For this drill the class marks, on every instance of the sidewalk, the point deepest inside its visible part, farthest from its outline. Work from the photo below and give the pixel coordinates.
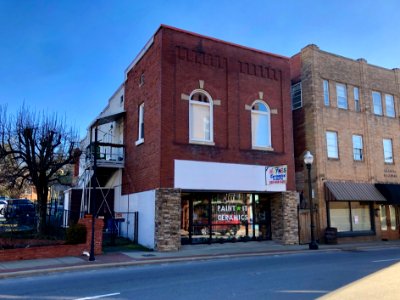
(187, 253)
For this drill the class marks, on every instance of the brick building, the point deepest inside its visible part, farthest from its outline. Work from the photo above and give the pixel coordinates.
(346, 112)
(206, 130)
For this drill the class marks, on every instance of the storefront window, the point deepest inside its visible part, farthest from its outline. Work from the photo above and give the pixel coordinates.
(340, 216)
(185, 221)
(383, 218)
(231, 216)
(225, 217)
(350, 216)
(361, 217)
(200, 219)
(393, 223)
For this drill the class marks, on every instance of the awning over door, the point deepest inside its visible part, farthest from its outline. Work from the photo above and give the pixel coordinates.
(351, 191)
(390, 191)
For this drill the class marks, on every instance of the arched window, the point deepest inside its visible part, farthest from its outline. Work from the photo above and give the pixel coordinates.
(260, 125)
(200, 117)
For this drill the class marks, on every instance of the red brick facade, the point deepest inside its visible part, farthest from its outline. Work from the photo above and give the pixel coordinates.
(179, 62)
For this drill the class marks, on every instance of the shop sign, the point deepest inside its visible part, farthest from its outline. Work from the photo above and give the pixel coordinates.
(276, 175)
(232, 213)
(389, 173)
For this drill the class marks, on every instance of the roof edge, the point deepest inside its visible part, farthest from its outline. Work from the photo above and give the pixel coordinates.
(221, 41)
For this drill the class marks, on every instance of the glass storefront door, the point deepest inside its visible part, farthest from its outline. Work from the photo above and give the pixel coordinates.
(389, 215)
(222, 217)
(263, 216)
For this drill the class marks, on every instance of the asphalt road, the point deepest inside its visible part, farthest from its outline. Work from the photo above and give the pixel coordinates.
(296, 276)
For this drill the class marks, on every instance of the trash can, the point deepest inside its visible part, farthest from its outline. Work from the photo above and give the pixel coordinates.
(331, 235)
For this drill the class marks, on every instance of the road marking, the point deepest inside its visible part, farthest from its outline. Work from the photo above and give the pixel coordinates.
(303, 291)
(385, 260)
(99, 296)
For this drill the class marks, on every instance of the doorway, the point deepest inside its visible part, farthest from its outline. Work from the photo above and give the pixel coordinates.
(389, 215)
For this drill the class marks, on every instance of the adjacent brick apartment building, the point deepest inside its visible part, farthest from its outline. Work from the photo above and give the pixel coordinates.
(346, 112)
(208, 143)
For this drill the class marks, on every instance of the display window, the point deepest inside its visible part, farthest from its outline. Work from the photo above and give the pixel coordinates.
(351, 217)
(223, 217)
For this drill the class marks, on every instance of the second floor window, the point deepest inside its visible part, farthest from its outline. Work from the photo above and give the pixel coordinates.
(140, 124)
(356, 92)
(296, 96)
(387, 151)
(341, 94)
(200, 117)
(260, 125)
(390, 112)
(326, 92)
(332, 144)
(357, 147)
(377, 103)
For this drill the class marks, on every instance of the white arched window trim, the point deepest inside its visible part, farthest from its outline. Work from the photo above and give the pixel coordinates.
(258, 115)
(192, 105)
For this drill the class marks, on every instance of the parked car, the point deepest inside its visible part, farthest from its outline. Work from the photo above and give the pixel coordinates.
(20, 210)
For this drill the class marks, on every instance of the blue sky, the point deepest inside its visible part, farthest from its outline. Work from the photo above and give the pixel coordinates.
(69, 57)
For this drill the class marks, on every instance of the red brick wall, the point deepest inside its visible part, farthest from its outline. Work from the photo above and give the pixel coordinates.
(59, 250)
(295, 68)
(142, 162)
(233, 74)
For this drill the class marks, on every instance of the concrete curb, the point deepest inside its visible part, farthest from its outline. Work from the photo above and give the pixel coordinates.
(151, 261)
(86, 265)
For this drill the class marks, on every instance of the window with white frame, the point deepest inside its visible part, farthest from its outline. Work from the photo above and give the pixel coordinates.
(296, 96)
(326, 92)
(200, 117)
(140, 124)
(332, 144)
(356, 93)
(260, 125)
(387, 151)
(389, 101)
(341, 95)
(357, 147)
(377, 103)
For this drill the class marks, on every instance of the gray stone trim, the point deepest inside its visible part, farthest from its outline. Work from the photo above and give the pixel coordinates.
(167, 220)
(284, 217)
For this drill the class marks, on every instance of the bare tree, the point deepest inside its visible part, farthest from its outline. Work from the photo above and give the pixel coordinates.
(34, 148)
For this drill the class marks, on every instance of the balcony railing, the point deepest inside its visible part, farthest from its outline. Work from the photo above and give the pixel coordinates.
(108, 155)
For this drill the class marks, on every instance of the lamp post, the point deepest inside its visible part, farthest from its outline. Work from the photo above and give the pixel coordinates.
(308, 160)
(93, 195)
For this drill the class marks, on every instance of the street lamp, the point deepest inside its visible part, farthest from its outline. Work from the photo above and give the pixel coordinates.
(93, 197)
(308, 160)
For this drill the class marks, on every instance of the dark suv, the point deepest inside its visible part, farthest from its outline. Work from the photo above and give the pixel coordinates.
(20, 210)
